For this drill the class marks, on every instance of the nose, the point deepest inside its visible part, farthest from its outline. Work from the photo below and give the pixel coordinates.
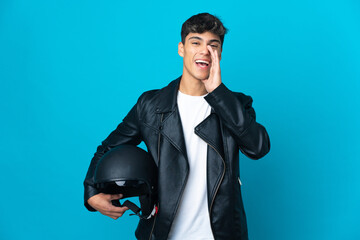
(204, 50)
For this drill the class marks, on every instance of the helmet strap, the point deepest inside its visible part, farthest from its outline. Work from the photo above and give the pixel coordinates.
(133, 207)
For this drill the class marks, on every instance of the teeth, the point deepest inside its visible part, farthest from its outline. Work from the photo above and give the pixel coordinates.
(202, 61)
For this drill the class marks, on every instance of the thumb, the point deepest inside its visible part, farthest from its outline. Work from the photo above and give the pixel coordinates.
(116, 196)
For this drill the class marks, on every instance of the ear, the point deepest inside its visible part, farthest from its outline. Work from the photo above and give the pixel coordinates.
(181, 49)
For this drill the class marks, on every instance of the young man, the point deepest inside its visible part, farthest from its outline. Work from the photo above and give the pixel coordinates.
(193, 128)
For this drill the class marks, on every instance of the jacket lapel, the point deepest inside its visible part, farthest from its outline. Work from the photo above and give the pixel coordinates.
(210, 131)
(173, 131)
(171, 126)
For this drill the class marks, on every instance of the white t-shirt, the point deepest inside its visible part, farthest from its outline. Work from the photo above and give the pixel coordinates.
(192, 219)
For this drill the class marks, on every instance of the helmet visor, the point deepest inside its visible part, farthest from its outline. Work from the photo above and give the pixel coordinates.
(129, 188)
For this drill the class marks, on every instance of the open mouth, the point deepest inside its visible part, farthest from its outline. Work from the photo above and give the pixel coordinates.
(202, 63)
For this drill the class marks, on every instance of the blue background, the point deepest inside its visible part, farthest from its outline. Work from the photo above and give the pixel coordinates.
(71, 70)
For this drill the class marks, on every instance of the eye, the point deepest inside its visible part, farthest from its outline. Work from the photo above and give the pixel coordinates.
(195, 43)
(214, 45)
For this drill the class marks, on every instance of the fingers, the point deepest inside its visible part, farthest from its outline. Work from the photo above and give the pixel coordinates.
(214, 79)
(211, 53)
(114, 212)
(114, 209)
(214, 55)
(102, 203)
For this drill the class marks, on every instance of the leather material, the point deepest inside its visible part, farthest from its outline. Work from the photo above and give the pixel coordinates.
(229, 128)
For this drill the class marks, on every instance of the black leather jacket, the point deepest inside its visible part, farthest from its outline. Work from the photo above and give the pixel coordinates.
(231, 126)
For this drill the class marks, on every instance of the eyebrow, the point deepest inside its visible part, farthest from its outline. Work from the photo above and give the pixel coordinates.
(211, 41)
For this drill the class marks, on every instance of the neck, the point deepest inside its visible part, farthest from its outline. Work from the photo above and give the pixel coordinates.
(193, 87)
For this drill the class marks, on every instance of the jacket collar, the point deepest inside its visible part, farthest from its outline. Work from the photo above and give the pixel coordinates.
(167, 98)
(208, 129)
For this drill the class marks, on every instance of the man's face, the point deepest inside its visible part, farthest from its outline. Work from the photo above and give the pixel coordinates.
(196, 55)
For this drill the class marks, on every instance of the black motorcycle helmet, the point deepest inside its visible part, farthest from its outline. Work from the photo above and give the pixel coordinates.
(131, 171)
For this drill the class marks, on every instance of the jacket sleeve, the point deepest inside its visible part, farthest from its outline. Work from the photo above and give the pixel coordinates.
(127, 132)
(236, 112)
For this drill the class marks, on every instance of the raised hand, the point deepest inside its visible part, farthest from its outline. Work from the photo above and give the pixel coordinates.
(214, 79)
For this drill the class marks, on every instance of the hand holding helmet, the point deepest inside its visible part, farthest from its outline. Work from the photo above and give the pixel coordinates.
(125, 171)
(103, 203)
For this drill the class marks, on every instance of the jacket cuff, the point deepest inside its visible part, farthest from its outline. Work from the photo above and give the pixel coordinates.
(89, 192)
(217, 92)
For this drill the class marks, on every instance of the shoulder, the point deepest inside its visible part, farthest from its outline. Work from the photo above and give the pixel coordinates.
(245, 98)
(222, 92)
(158, 98)
(242, 96)
(147, 100)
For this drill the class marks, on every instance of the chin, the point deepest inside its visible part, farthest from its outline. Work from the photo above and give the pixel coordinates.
(202, 77)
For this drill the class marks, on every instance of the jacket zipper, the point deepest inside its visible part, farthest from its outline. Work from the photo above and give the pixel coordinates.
(222, 177)
(152, 229)
(161, 119)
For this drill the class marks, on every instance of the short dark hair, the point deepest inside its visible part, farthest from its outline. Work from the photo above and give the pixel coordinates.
(203, 22)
